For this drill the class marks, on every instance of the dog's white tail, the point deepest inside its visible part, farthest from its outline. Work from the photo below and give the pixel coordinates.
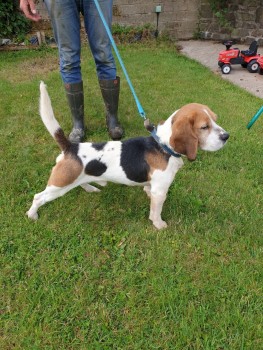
(49, 120)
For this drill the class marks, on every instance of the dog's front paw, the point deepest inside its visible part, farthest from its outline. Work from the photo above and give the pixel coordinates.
(160, 224)
(32, 216)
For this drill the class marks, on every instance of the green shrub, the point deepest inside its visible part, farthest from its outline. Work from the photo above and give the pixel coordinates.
(12, 22)
(132, 34)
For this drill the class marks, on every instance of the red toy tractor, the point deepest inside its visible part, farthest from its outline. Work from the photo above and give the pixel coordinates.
(260, 68)
(247, 58)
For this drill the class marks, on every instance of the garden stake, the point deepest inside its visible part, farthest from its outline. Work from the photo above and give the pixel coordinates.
(256, 116)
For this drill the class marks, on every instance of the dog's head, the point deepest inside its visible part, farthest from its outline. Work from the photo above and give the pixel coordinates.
(193, 126)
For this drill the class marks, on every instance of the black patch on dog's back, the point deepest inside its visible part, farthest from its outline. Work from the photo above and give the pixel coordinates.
(95, 168)
(133, 160)
(99, 146)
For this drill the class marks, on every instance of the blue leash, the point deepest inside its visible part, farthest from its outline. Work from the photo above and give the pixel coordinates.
(139, 106)
(150, 127)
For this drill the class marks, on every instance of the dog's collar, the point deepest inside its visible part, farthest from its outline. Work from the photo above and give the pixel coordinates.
(164, 147)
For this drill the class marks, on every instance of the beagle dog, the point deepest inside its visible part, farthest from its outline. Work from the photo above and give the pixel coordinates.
(138, 161)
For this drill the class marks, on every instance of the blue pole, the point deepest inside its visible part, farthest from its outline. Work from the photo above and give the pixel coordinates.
(256, 116)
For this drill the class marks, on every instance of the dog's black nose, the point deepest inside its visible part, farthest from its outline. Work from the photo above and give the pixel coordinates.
(224, 136)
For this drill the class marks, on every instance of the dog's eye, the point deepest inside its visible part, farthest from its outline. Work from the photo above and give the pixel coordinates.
(204, 127)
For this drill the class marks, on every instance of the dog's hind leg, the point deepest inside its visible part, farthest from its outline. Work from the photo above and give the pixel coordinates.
(101, 183)
(65, 176)
(48, 195)
(89, 188)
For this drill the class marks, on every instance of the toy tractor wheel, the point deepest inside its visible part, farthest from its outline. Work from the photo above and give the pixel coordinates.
(260, 71)
(252, 66)
(226, 68)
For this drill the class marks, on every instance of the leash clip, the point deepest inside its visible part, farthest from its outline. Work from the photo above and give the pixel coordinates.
(148, 125)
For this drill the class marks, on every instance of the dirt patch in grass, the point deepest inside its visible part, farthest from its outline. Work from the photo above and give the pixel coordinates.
(30, 69)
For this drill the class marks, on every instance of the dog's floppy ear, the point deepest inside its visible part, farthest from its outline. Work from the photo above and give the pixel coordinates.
(183, 139)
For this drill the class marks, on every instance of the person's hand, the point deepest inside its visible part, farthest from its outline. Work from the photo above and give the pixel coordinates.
(29, 9)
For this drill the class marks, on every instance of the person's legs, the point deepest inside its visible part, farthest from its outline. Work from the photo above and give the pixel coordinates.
(98, 38)
(105, 64)
(64, 15)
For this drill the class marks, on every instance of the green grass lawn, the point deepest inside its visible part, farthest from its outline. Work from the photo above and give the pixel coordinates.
(92, 273)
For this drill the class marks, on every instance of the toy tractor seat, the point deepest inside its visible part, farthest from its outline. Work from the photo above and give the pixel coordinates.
(252, 50)
(228, 44)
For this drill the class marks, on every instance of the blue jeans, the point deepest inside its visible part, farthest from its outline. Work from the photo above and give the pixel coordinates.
(65, 18)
